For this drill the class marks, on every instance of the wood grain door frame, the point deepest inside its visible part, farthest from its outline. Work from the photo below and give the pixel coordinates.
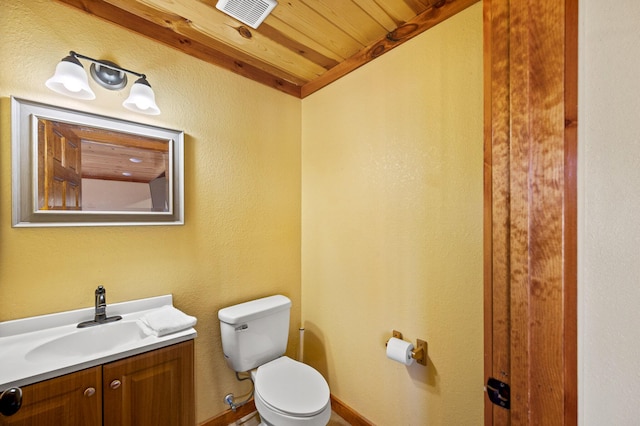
(530, 208)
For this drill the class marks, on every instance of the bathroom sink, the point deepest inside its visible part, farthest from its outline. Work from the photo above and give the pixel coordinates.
(39, 348)
(88, 341)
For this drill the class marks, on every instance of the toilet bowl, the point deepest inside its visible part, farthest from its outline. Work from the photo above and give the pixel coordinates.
(290, 393)
(254, 338)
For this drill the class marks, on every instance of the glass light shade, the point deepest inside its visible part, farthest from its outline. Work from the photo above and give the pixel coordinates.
(70, 79)
(141, 98)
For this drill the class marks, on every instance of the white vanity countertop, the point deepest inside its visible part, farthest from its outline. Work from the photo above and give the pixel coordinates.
(19, 337)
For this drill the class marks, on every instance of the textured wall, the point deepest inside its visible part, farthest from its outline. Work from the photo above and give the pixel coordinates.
(392, 201)
(609, 229)
(392, 228)
(242, 170)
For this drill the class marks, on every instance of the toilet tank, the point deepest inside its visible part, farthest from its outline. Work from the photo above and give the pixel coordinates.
(255, 332)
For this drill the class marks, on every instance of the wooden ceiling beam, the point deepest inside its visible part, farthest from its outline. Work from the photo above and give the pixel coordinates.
(182, 43)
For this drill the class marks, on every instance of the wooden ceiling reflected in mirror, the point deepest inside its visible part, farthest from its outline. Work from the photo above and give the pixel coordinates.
(112, 155)
(122, 163)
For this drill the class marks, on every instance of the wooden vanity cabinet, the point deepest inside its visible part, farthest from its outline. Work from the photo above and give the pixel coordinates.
(153, 388)
(71, 400)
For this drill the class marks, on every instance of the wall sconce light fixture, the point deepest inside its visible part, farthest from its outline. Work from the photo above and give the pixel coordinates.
(70, 79)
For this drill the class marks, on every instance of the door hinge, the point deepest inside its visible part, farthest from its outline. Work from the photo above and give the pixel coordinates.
(498, 392)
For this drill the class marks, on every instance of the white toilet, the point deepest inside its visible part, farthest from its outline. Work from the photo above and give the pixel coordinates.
(254, 338)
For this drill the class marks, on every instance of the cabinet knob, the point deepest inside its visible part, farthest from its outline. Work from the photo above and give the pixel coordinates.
(10, 401)
(89, 391)
(115, 384)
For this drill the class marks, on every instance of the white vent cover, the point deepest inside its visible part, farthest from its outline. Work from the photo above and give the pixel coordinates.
(250, 12)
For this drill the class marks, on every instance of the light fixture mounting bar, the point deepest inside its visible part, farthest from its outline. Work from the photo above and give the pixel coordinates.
(104, 64)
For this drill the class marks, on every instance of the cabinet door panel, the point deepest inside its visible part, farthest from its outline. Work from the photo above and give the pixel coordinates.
(71, 400)
(151, 389)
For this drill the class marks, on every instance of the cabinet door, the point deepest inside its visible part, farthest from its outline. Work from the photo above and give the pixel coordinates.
(151, 389)
(71, 400)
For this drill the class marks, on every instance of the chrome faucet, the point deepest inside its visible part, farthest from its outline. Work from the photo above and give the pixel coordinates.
(101, 310)
(101, 304)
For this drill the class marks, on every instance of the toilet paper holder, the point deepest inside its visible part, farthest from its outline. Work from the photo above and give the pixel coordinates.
(419, 352)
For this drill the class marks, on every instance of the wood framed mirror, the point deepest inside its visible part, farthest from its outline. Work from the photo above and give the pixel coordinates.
(72, 168)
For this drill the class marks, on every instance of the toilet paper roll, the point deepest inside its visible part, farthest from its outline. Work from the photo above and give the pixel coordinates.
(399, 350)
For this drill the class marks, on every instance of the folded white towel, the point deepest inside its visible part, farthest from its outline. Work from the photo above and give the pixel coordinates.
(166, 320)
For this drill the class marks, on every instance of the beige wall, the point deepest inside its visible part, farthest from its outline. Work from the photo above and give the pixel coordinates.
(609, 202)
(392, 208)
(242, 233)
(392, 228)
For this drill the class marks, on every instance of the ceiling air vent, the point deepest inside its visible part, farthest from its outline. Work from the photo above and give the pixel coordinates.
(250, 12)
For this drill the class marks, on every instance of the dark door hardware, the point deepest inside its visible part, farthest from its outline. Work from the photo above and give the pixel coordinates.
(498, 392)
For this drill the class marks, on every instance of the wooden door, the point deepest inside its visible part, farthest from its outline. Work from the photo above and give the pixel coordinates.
(59, 168)
(151, 389)
(530, 50)
(71, 400)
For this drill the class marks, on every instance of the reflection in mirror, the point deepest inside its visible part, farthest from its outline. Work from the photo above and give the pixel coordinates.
(72, 168)
(89, 169)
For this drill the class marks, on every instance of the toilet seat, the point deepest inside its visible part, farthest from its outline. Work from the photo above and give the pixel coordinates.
(291, 388)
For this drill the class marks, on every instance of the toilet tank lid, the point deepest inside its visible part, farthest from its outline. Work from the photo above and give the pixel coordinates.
(253, 309)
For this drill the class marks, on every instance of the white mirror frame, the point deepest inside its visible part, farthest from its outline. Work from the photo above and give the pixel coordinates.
(24, 117)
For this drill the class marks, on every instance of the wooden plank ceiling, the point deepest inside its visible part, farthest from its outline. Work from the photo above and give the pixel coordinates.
(302, 46)
(111, 155)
